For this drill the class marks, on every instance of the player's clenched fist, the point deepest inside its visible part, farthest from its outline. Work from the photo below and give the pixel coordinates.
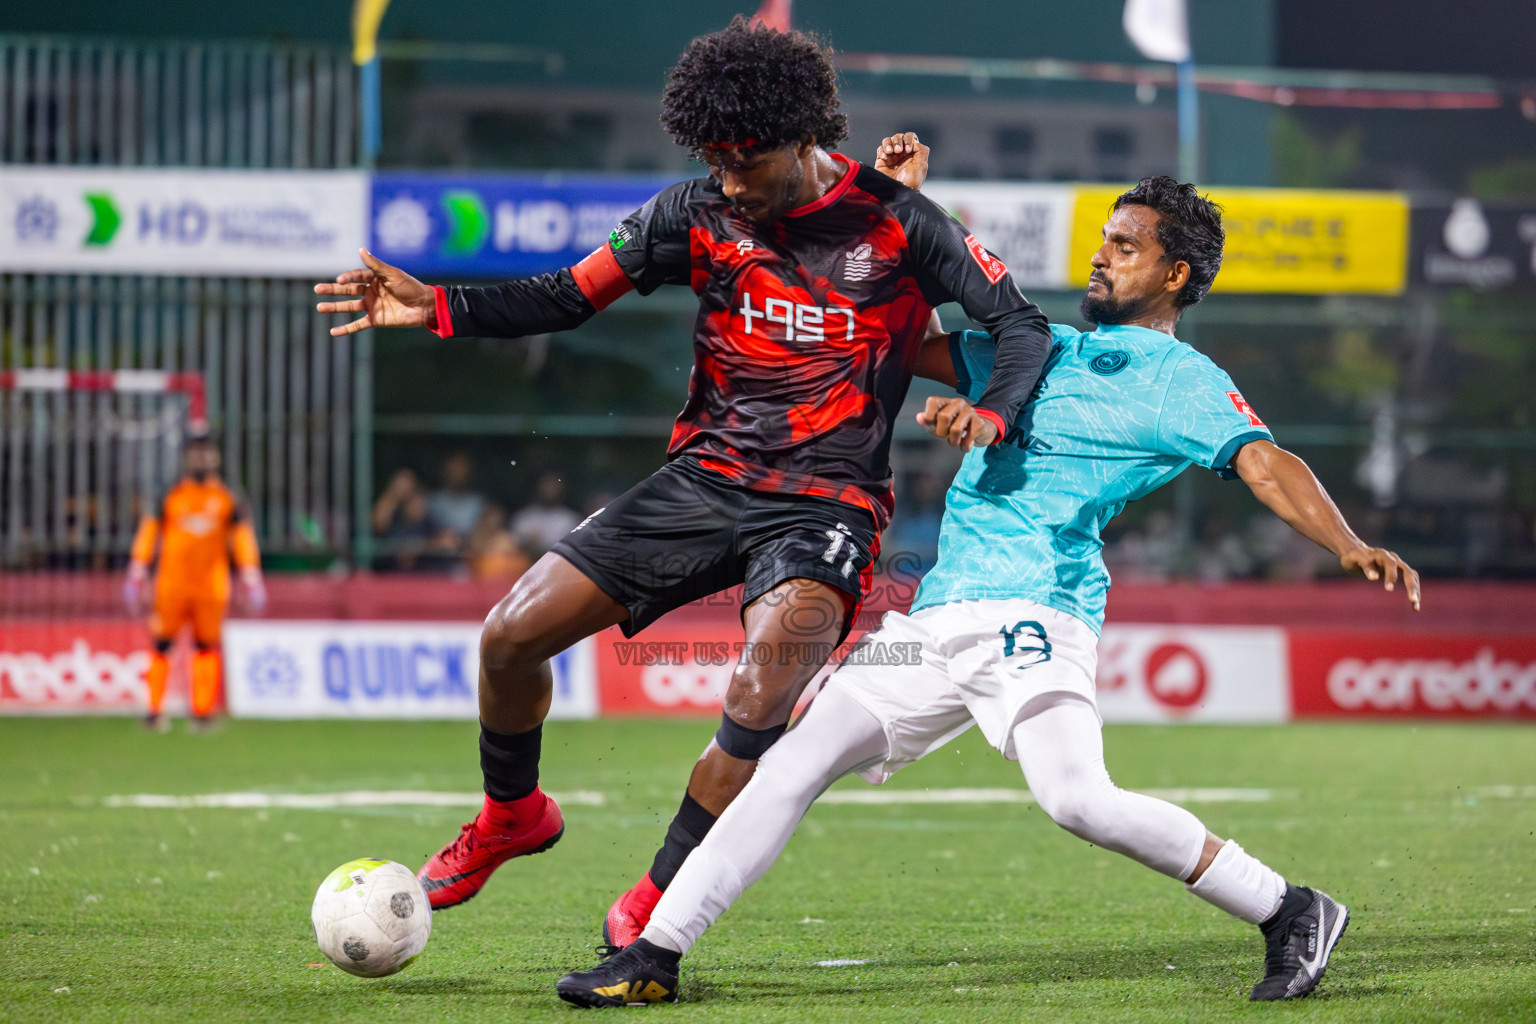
(904, 158)
(386, 296)
(958, 422)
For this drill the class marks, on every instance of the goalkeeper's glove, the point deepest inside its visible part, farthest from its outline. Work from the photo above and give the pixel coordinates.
(133, 586)
(255, 590)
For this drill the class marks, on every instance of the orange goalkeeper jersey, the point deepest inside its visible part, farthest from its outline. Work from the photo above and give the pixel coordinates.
(199, 528)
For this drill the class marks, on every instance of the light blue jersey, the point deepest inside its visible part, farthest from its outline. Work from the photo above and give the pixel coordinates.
(1118, 412)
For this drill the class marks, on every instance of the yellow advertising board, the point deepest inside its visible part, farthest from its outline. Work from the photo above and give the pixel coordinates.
(1283, 240)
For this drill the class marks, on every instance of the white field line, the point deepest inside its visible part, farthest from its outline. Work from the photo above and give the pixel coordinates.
(1023, 796)
(332, 801)
(589, 798)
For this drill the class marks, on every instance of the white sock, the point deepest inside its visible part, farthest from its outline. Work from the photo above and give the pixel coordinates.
(656, 937)
(1240, 884)
(704, 888)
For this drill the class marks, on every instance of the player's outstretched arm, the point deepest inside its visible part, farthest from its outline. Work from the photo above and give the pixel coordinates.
(650, 248)
(1287, 486)
(386, 296)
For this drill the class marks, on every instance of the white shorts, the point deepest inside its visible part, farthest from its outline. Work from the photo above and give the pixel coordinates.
(980, 663)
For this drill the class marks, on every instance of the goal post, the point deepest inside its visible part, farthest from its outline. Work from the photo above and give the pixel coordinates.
(83, 455)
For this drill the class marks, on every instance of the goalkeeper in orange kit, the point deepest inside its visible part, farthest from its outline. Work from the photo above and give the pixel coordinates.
(201, 524)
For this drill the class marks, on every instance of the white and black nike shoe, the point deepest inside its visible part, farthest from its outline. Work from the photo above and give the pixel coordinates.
(1297, 943)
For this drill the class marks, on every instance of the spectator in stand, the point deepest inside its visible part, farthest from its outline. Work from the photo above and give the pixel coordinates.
(455, 508)
(400, 520)
(546, 518)
(493, 553)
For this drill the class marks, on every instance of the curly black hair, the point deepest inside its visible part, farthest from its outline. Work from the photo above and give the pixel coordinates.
(1189, 229)
(745, 85)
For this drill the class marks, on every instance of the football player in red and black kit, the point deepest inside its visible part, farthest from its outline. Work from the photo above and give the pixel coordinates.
(816, 279)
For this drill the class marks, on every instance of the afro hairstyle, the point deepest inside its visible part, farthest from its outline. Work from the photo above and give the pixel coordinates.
(746, 86)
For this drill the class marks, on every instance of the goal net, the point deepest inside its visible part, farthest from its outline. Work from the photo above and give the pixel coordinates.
(83, 456)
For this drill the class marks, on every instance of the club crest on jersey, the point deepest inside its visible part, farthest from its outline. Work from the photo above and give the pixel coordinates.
(856, 264)
(989, 264)
(745, 246)
(1241, 405)
(1106, 364)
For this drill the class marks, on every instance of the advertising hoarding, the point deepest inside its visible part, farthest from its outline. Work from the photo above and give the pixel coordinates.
(207, 223)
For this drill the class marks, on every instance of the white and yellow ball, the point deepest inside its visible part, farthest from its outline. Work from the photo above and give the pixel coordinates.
(371, 917)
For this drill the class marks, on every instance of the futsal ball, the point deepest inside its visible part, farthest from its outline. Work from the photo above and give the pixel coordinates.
(371, 917)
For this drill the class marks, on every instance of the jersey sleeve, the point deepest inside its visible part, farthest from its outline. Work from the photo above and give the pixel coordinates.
(648, 249)
(973, 353)
(1204, 418)
(954, 266)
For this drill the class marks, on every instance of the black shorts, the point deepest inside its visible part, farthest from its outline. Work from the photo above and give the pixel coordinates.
(686, 532)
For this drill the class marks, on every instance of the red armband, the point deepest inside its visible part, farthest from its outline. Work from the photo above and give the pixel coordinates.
(601, 279)
(444, 328)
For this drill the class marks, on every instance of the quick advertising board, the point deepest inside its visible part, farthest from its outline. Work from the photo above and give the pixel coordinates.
(376, 670)
(209, 223)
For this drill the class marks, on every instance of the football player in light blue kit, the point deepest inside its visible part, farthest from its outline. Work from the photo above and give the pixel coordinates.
(1008, 619)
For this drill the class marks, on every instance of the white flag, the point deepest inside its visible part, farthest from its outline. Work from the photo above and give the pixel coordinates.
(1159, 28)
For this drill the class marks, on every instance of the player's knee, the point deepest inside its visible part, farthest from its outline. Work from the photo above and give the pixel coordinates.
(743, 741)
(507, 644)
(760, 696)
(1079, 806)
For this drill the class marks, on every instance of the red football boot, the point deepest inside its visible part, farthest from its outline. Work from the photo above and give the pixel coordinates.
(630, 913)
(501, 831)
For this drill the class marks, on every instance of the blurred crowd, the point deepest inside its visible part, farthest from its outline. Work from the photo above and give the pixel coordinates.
(455, 528)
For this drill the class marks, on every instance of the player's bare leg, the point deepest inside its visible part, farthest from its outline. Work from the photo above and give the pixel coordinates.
(551, 608)
(788, 629)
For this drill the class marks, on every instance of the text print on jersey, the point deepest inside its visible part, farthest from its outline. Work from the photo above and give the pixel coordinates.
(801, 322)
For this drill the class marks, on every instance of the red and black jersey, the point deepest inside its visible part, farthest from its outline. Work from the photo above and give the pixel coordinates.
(808, 327)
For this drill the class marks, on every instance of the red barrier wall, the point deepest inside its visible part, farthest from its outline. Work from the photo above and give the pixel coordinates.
(1454, 606)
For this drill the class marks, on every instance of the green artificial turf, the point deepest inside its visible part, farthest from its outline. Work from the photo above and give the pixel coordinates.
(964, 912)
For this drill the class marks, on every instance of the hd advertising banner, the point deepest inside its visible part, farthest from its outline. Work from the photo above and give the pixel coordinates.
(497, 226)
(207, 223)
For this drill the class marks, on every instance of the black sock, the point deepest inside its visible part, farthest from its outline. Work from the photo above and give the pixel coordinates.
(668, 958)
(687, 831)
(1295, 900)
(510, 762)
